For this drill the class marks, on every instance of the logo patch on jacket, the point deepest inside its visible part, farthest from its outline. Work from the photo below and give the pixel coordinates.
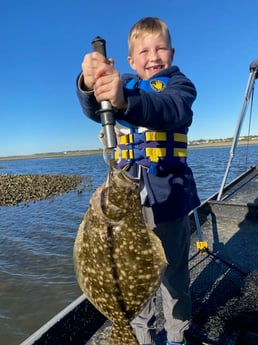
(157, 85)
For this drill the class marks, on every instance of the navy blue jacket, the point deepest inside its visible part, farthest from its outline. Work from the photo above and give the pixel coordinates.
(171, 195)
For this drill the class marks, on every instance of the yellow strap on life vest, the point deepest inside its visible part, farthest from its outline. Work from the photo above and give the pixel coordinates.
(152, 136)
(123, 154)
(126, 139)
(156, 136)
(149, 136)
(180, 137)
(154, 153)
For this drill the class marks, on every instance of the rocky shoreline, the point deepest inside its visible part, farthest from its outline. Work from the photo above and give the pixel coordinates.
(20, 189)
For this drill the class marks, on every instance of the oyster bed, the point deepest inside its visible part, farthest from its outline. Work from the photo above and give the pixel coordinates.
(16, 189)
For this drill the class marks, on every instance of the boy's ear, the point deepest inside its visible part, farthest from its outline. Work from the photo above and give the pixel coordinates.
(172, 51)
(131, 62)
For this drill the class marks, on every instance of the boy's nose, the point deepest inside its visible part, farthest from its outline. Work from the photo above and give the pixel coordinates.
(154, 55)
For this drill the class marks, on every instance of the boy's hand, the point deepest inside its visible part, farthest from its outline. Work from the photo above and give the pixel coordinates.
(101, 76)
(91, 63)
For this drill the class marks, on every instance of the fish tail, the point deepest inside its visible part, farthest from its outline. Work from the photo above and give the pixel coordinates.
(122, 335)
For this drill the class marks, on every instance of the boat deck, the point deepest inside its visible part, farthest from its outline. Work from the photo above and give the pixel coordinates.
(230, 225)
(224, 278)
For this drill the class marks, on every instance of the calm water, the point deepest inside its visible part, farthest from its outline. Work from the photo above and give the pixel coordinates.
(37, 278)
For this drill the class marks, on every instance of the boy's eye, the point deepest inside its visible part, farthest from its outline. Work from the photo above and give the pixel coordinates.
(144, 51)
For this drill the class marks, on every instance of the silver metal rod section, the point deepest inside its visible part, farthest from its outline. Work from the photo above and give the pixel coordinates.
(248, 91)
(108, 123)
(106, 112)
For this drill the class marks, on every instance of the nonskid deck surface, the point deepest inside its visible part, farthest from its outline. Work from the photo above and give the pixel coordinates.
(218, 278)
(224, 279)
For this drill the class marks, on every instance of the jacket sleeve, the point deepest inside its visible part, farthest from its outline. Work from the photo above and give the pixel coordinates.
(87, 101)
(166, 110)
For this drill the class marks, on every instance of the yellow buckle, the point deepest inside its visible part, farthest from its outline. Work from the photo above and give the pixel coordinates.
(154, 153)
(123, 154)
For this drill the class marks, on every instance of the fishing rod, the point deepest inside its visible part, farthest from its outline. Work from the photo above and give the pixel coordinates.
(106, 112)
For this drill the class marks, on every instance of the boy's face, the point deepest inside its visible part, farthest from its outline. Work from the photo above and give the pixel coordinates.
(151, 53)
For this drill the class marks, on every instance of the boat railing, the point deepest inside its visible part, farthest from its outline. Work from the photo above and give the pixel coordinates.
(248, 92)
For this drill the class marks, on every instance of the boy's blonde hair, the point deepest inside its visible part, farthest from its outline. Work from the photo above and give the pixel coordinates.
(148, 25)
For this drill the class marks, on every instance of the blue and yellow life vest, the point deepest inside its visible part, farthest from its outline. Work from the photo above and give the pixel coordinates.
(158, 151)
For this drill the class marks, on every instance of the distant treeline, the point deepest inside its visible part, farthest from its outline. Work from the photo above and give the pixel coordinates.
(246, 138)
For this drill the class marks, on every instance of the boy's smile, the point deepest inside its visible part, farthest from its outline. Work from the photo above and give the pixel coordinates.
(155, 68)
(151, 54)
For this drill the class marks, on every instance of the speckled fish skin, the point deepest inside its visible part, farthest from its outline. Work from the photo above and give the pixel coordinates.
(119, 261)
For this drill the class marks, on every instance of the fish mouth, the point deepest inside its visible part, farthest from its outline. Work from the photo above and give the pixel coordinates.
(126, 176)
(117, 181)
(121, 175)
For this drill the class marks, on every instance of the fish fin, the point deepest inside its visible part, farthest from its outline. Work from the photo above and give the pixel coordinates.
(122, 335)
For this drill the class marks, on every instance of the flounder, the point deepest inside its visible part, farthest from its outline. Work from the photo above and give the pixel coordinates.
(118, 259)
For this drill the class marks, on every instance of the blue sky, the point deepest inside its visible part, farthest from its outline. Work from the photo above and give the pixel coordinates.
(43, 43)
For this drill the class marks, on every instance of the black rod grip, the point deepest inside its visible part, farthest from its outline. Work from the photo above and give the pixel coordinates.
(99, 45)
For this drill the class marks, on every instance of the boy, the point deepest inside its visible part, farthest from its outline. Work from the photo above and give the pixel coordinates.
(154, 107)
